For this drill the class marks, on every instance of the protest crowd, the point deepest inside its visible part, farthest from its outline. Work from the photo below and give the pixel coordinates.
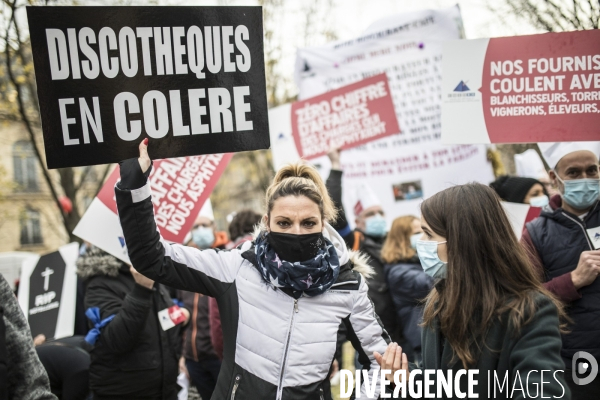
(298, 297)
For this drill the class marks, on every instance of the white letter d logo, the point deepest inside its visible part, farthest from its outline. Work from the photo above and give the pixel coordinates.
(583, 367)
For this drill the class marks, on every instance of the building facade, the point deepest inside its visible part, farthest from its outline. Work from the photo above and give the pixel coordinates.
(29, 218)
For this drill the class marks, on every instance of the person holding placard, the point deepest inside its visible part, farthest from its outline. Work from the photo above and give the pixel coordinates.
(282, 296)
(564, 245)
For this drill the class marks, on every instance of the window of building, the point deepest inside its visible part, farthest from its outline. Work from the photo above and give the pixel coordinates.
(31, 232)
(25, 163)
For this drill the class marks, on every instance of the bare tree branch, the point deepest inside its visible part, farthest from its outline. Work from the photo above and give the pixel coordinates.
(102, 179)
(552, 16)
(82, 177)
(592, 10)
(24, 117)
(560, 16)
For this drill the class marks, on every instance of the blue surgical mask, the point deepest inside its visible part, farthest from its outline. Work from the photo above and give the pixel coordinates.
(430, 261)
(376, 226)
(539, 201)
(581, 193)
(414, 239)
(203, 237)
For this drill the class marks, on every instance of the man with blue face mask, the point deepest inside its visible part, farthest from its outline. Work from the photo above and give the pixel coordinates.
(368, 237)
(564, 244)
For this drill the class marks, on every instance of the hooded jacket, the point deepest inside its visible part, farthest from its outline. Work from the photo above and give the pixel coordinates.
(275, 347)
(133, 357)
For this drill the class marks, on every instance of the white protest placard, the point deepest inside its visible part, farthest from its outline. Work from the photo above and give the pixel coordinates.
(47, 292)
(401, 169)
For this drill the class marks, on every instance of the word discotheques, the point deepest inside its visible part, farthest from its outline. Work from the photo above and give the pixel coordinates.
(108, 82)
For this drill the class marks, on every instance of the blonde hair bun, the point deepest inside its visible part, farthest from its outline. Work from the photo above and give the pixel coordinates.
(301, 179)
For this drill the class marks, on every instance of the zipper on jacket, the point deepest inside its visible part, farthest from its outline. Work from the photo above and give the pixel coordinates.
(322, 397)
(285, 351)
(582, 226)
(235, 386)
(344, 283)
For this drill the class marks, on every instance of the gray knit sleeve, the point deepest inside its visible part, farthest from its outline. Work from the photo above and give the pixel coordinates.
(26, 376)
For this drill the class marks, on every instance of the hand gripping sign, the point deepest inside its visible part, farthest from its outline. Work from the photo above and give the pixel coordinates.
(191, 78)
(522, 89)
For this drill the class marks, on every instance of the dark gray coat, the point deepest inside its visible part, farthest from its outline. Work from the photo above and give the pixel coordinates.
(22, 376)
(536, 347)
(133, 357)
(409, 285)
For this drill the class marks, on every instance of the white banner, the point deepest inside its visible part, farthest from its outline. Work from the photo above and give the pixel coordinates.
(519, 214)
(405, 168)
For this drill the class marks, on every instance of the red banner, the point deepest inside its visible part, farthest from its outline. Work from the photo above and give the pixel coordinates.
(560, 71)
(343, 118)
(180, 186)
(536, 88)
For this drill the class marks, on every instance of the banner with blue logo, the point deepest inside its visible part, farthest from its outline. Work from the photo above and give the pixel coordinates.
(522, 89)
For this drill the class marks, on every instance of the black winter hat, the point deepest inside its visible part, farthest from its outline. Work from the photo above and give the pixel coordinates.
(513, 188)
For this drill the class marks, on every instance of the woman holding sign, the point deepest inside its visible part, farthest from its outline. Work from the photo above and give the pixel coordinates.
(281, 297)
(488, 312)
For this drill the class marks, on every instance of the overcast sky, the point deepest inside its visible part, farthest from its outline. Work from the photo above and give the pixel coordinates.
(349, 18)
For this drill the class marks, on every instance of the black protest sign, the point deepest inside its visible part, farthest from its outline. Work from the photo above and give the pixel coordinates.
(48, 290)
(191, 79)
(45, 290)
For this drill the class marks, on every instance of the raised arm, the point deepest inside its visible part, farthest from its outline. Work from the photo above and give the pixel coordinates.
(334, 187)
(209, 272)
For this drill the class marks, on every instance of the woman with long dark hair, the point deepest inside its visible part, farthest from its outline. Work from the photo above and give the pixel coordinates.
(488, 310)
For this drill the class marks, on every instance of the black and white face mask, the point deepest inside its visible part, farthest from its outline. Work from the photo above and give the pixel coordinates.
(296, 248)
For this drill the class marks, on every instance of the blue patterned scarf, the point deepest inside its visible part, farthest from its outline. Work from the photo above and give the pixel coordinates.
(312, 277)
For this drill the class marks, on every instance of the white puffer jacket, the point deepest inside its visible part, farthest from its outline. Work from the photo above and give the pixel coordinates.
(275, 347)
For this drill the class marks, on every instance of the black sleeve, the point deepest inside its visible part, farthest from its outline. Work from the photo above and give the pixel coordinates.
(132, 176)
(209, 272)
(122, 333)
(341, 339)
(334, 187)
